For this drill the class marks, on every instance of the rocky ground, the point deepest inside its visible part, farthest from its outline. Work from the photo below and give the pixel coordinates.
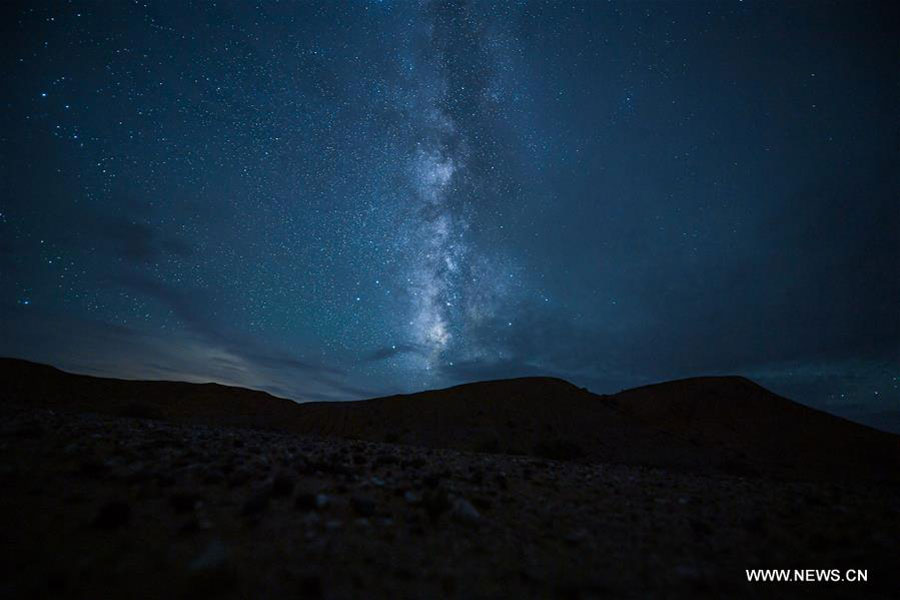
(100, 507)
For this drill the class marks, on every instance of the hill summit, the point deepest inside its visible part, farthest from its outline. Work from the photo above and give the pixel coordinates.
(727, 425)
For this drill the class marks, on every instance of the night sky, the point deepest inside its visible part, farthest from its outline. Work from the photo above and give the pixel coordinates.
(348, 199)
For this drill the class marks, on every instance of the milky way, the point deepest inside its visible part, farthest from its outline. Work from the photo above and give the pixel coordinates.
(439, 246)
(333, 200)
(449, 294)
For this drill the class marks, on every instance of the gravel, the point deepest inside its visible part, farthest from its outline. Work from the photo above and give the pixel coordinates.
(111, 507)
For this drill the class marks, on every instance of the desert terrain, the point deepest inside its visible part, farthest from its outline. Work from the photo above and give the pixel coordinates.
(149, 489)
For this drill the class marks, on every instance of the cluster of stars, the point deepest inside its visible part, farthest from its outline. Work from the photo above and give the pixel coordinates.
(354, 198)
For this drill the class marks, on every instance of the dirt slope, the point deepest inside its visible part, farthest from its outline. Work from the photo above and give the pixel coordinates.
(779, 436)
(45, 386)
(721, 424)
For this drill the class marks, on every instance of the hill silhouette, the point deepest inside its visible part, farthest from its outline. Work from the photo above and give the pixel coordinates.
(23, 381)
(722, 424)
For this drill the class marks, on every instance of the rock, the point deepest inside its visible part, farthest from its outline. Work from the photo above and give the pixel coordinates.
(311, 586)
(212, 476)
(282, 484)
(213, 557)
(191, 525)
(311, 501)
(29, 430)
(8, 473)
(183, 502)
(482, 503)
(305, 501)
(112, 515)
(688, 573)
(436, 503)
(164, 480)
(576, 537)
(464, 512)
(135, 473)
(700, 528)
(93, 468)
(256, 503)
(364, 506)
(238, 477)
(415, 463)
(384, 460)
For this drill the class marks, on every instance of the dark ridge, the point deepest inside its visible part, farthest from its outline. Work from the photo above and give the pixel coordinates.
(726, 425)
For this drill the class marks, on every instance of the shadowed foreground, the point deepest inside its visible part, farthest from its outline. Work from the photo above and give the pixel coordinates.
(102, 505)
(722, 425)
